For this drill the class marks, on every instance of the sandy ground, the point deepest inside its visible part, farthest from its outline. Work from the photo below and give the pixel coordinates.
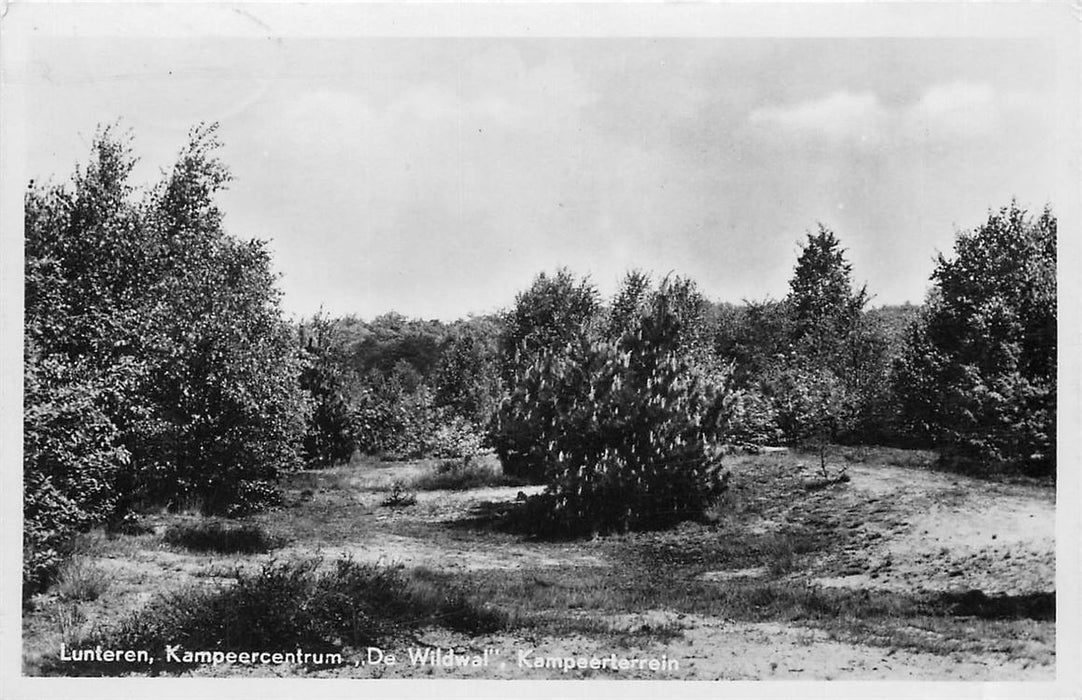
(908, 529)
(926, 530)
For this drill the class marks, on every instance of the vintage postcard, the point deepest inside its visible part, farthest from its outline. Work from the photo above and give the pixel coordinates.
(371, 349)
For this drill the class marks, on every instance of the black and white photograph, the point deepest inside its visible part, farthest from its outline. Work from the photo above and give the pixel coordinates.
(346, 344)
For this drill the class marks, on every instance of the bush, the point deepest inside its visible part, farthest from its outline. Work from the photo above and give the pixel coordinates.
(462, 474)
(214, 536)
(285, 606)
(399, 424)
(754, 421)
(400, 497)
(627, 433)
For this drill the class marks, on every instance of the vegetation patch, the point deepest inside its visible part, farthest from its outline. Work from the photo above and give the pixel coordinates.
(79, 579)
(215, 536)
(462, 474)
(399, 497)
(291, 605)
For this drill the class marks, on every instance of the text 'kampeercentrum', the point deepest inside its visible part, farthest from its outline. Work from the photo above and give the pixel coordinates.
(375, 656)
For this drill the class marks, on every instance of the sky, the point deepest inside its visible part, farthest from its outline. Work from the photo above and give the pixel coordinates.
(437, 176)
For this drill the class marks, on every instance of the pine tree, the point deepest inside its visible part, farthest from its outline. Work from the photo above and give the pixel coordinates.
(823, 304)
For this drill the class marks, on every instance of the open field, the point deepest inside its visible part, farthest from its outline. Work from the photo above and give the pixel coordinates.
(901, 572)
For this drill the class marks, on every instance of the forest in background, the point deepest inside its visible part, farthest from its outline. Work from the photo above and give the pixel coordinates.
(161, 372)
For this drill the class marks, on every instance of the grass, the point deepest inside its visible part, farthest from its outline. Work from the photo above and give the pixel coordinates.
(770, 530)
(78, 579)
(214, 536)
(552, 601)
(290, 605)
(464, 473)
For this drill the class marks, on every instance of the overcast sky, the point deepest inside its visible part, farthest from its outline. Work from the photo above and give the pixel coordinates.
(436, 177)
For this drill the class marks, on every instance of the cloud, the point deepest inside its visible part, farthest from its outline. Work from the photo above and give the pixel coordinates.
(955, 110)
(943, 113)
(841, 116)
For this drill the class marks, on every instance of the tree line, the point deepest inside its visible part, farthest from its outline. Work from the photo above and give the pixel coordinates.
(160, 370)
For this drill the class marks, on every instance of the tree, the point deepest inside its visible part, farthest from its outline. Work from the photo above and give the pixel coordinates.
(625, 433)
(146, 291)
(978, 375)
(467, 376)
(754, 337)
(629, 303)
(812, 407)
(326, 378)
(554, 317)
(555, 312)
(821, 299)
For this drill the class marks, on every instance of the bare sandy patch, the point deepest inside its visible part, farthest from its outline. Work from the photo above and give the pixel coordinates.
(410, 551)
(926, 530)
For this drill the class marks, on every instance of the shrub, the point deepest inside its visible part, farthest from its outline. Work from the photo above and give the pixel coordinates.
(296, 605)
(754, 421)
(462, 474)
(400, 497)
(214, 536)
(626, 433)
(812, 406)
(329, 438)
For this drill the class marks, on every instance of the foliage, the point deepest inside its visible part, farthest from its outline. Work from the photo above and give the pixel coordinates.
(624, 434)
(812, 406)
(329, 438)
(754, 421)
(399, 424)
(222, 538)
(691, 328)
(753, 337)
(157, 364)
(467, 376)
(463, 473)
(816, 348)
(284, 606)
(71, 455)
(821, 299)
(554, 317)
(557, 311)
(393, 344)
(399, 497)
(978, 375)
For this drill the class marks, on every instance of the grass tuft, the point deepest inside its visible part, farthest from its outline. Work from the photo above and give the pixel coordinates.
(214, 536)
(463, 474)
(79, 579)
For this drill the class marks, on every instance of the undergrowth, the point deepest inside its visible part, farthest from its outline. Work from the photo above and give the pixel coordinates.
(464, 473)
(214, 536)
(292, 605)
